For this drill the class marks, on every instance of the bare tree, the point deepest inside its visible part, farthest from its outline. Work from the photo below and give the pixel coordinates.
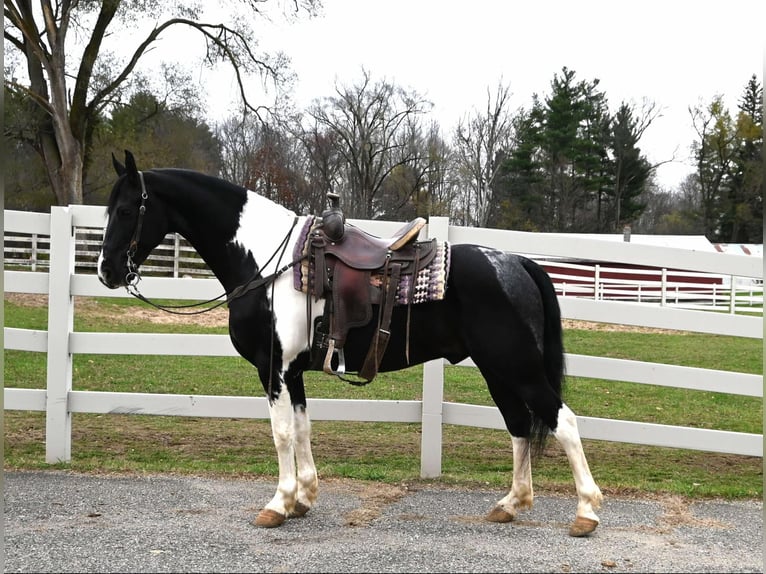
(324, 165)
(370, 126)
(240, 137)
(64, 95)
(439, 187)
(480, 142)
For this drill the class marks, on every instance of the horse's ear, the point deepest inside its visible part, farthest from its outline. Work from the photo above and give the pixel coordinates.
(130, 167)
(118, 167)
(130, 162)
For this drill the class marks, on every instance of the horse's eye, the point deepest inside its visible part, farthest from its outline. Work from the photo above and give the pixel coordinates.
(124, 211)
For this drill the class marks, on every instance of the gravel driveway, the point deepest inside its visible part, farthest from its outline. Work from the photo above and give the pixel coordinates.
(57, 521)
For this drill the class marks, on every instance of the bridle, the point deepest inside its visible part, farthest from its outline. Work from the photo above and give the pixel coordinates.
(133, 276)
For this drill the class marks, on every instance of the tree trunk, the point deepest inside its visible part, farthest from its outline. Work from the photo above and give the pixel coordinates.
(63, 164)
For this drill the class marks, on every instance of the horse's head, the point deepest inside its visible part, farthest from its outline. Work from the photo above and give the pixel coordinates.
(136, 224)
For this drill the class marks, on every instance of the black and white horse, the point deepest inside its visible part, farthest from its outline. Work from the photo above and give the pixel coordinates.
(499, 308)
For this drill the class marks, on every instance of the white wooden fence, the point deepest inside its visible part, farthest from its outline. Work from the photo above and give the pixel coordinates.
(61, 342)
(174, 257)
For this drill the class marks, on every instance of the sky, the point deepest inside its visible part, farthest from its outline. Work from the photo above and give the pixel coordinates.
(675, 54)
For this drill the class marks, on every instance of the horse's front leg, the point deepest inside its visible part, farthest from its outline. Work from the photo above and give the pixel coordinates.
(283, 432)
(291, 428)
(308, 484)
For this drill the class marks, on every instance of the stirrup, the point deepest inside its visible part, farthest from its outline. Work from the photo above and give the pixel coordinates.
(332, 351)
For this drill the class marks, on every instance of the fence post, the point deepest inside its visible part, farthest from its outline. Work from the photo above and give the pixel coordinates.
(176, 254)
(596, 282)
(34, 252)
(58, 419)
(433, 389)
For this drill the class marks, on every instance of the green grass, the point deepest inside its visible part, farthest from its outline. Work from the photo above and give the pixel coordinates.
(387, 451)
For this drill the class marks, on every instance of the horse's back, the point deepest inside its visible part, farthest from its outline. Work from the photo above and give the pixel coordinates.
(490, 277)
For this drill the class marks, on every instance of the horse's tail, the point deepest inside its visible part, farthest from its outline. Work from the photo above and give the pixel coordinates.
(553, 346)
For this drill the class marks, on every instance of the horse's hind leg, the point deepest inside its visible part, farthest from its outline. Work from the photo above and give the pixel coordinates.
(588, 494)
(531, 392)
(521, 495)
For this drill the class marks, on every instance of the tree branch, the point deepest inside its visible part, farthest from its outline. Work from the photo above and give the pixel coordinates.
(90, 54)
(222, 40)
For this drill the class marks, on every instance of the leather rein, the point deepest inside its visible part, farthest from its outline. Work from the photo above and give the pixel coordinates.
(133, 277)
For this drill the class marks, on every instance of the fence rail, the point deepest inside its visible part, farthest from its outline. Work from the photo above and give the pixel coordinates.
(66, 278)
(174, 257)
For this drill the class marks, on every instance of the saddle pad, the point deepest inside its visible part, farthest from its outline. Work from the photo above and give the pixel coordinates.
(430, 284)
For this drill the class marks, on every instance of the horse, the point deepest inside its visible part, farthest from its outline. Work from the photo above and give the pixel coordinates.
(498, 308)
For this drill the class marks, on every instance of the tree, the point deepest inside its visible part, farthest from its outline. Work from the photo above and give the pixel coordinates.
(481, 143)
(672, 212)
(171, 135)
(370, 125)
(742, 219)
(573, 148)
(714, 154)
(522, 193)
(631, 170)
(560, 168)
(572, 165)
(64, 97)
(437, 194)
(323, 164)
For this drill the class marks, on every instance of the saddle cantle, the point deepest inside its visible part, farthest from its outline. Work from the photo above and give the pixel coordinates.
(353, 270)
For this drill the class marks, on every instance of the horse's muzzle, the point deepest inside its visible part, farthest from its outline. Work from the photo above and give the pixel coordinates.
(108, 276)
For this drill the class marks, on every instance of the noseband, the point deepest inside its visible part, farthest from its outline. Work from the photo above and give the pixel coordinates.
(133, 276)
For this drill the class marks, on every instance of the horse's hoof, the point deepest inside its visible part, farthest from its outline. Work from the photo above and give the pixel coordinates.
(582, 526)
(269, 519)
(299, 510)
(499, 515)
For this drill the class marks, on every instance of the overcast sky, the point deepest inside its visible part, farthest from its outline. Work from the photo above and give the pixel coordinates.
(673, 53)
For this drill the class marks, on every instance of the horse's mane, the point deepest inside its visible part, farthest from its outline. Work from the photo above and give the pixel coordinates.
(195, 179)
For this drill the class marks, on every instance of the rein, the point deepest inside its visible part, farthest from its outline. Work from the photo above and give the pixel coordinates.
(133, 276)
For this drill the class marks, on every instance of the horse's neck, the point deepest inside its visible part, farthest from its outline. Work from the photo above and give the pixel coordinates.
(254, 234)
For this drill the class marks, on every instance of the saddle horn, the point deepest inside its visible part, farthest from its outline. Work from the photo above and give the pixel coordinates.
(333, 221)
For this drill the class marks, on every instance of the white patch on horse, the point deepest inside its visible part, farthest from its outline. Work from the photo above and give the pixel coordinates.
(283, 432)
(521, 494)
(588, 494)
(308, 486)
(262, 226)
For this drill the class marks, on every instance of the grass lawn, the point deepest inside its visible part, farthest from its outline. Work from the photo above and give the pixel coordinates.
(388, 452)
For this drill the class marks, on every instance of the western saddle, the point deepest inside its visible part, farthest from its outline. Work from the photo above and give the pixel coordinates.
(353, 270)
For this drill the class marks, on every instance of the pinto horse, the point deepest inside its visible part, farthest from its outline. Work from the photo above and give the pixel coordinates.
(498, 308)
